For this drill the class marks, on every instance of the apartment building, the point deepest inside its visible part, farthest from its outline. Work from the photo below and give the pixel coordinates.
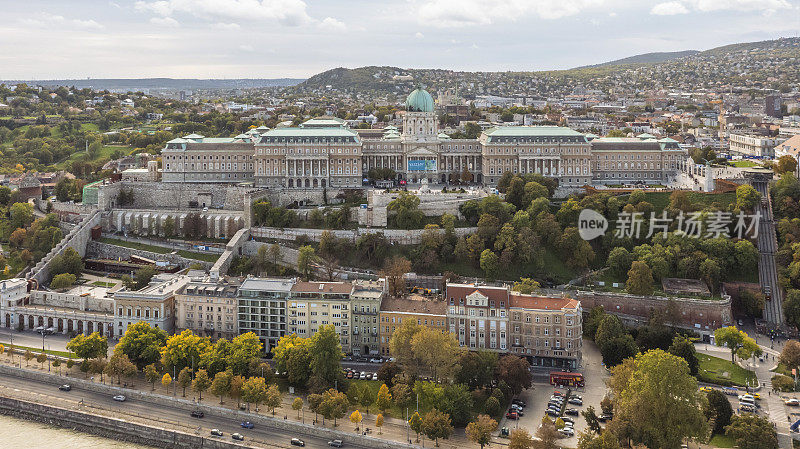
(624, 160)
(546, 330)
(753, 145)
(394, 311)
(262, 308)
(208, 307)
(365, 305)
(153, 304)
(196, 158)
(314, 304)
(478, 316)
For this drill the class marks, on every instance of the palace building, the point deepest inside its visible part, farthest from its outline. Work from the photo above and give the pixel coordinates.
(326, 153)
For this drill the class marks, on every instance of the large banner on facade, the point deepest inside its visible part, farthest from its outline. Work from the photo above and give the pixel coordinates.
(421, 165)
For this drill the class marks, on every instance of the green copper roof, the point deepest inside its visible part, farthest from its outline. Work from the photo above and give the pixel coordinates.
(646, 136)
(310, 132)
(419, 100)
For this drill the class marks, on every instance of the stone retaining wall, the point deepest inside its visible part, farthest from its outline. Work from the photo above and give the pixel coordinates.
(235, 415)
(100, 250)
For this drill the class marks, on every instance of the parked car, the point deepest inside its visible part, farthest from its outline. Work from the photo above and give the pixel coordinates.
(572, 412)
(65, 387)
(246, 425)
(363, 375)
(575, 401)
(568, 420)
(551, 412)
(197, 414)
(512, 415)
(335, 443)
(349, 375)
(605, 417)
(577, 396)
(557, 393)
(216, 432)
(376, 360)
(237, 436)
(298, 442)
(567, 432)
(519, 402)
(747, 397)
(119, 398)
(792, 402)
(516, 407)
(518, 412)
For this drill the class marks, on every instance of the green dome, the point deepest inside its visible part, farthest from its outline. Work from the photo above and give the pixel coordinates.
(419, 101)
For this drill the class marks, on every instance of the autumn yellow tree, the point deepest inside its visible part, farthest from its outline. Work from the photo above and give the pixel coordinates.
(379, 422)
(356, 418)
(166, 380)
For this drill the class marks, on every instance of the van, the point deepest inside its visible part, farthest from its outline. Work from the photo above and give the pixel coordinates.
(747, 401)
(747, 408)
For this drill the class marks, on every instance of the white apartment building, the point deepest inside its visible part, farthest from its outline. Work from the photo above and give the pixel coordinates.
(315, 304)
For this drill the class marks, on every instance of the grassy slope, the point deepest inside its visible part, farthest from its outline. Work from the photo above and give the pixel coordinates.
(712, 368)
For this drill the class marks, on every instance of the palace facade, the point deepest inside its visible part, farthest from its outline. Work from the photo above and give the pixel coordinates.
(325, 153)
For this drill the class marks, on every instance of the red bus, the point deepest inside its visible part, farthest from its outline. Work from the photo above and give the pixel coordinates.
(564, 379)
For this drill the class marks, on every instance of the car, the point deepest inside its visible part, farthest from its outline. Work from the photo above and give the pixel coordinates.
(519, 402)
(376, 360)
(557, 393)
(792, 402)
(740, 323)
(568, 420)
(512, 415)
(706, 389)
(747, 397)
(349, 375)
(246, 425)
(576, 396)
(197, 414)
(65, 387)
(567, 432)
(335, 443)
(216, 432)
(237, 436)
(605, 417)
(363, 375)
(516, 407)
(572, 412)
(575, 401)
(119, 398)
(556, 398)
(518, 412)
(298, 442)
(757, 396)
(551, 412)
(554, 406)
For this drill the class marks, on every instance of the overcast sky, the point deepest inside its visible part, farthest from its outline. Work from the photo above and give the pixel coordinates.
(41, 39)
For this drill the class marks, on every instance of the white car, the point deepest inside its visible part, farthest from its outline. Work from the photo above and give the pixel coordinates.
(567, 431)
(375, 360)
(793, 402)
(747, 397)
(119, 398)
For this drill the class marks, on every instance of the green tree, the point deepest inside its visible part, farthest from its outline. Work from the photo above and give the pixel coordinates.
(490, 264)
(656, 400)
(20, 215)
(254, 391)
(739, 343)
(297, 405)
(366, 397)
(326, 354)
(790, 355)
(752, 432)
(436, 425)
(640, 279)
(619, 261)
(142, 344)
(405, 212)
(476, 369)
(244, 349)
(526, 286)
(272, 398)
(89, 347)
(480, 430)
(152, 375)
(185, 379)
(63, 280)
(415, 423)
(746, 197)
(120, 366)
(592, 423)
(515, 372)
(684, 348)
(334, 405)
(221, 384)
(185, 349)
(605, 440)
(68, 261)
(305, 260)
(201, 382)
(718, 410)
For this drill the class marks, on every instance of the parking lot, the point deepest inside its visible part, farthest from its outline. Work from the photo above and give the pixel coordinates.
(538, 396)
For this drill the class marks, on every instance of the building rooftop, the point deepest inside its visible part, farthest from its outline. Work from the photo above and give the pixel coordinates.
(459, 291)
(518, 300)
(267, 284)
(322, 287)
(310, 132)
(414, 306)
(533, 131)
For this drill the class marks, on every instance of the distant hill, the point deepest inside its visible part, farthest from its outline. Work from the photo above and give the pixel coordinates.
(770, 65)
(163, 83)
(646, 58)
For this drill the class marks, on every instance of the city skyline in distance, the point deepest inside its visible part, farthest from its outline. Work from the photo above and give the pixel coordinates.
(224, 39)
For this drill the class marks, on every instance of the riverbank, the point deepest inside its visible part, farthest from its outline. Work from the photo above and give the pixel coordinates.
(17, 434)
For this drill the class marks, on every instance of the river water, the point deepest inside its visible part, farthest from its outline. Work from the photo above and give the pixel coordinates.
(22, 434)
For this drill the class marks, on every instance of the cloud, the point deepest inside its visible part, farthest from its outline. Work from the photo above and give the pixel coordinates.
(687, 6)
(165, 21)
(49, 20)
(286, 12)
(247, 48)
(226, 26)
(331, 24)
(669, 9)
(460, 13)
(419, 35)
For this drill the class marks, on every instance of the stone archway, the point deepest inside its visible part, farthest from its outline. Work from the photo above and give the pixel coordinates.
(89, 327)
(61, 325)
(80, 327)
(70, 326)
(316, 183)
(291, 183)
(49, 322)
(100, 329)
(8, 320)
(40, 320)
(308, 183)
(30, 322)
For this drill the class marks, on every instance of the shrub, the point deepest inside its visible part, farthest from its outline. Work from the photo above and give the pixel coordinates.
(62, 280)
(782, 383)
